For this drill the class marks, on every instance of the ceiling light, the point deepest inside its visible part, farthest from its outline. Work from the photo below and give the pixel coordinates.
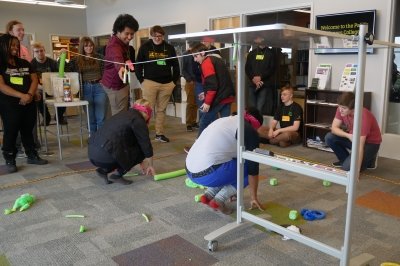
(303, 11)
(20, 1)
(47, 3)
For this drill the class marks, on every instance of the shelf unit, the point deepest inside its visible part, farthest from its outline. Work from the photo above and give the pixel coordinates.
(281, 35)
(301, 67)
(319, 110)
(71, 44)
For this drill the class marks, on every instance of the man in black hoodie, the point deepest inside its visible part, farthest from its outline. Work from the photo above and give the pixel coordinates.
(159, 76)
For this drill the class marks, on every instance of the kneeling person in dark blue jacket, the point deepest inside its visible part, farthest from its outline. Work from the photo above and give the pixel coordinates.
(123, 142)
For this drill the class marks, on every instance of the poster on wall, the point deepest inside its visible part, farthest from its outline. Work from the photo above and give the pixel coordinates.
(348, 24)
(349, 78)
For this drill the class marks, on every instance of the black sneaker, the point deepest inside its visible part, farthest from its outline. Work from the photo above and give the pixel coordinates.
(103, 174)
(372, 165)
(119, 179)
(189, 128)
(337, 164)
(195, 126)
(35, 159)
(11, 167)
(162, 138)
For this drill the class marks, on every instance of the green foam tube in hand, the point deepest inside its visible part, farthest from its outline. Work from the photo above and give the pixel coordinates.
(61, 67)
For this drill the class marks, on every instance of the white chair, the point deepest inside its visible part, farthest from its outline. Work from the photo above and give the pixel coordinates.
(51, 87)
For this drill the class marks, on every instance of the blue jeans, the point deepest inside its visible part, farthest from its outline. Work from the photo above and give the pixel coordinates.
(207, 118)
(341, 147)
(226, 174)
(257, 98)
(97, 98)
(198, 88)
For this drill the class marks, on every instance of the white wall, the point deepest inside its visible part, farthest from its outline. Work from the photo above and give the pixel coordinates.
(41, 21)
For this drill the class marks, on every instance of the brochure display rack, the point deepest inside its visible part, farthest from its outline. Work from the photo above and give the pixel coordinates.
(281, 35)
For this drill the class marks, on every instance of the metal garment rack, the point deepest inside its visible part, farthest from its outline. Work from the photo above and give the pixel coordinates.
(282, 35)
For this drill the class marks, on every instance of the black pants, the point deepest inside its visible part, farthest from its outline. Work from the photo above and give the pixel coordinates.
(102, 159)
(18, 119)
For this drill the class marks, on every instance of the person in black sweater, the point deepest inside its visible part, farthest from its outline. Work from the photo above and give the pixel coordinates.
(260, 69)
(123, 142)
(159, 76)
(18, 84)
(41, 63)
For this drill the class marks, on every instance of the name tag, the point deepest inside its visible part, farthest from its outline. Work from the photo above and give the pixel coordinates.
(161, 62)
(260, 57)
(17, 80)
(285, 118)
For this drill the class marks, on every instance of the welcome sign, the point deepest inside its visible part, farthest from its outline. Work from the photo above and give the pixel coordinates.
(345, 23)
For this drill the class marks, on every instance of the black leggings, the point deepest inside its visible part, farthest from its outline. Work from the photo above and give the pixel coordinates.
(102, 159)
(18, 119)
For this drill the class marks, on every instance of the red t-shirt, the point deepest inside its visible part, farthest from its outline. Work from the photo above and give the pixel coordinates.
(369, 126)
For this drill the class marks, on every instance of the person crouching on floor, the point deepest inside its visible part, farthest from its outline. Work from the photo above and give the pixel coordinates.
(211, 161)
(288, 116)
(123, 142)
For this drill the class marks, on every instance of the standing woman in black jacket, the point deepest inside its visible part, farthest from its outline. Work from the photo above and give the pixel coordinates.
(123, 142)
(18, 85)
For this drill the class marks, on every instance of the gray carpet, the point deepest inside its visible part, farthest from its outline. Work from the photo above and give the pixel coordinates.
(170, 251)
(42, 235)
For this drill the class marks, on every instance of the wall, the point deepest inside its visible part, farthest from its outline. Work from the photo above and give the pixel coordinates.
(41, 21)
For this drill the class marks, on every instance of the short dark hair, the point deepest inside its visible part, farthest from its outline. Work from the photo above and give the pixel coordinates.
(157, 29)
(255, 113)
(199, 47)
(347, 99)
(123, 21)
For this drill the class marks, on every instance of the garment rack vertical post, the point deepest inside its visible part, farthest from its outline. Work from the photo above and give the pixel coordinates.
(281, 35)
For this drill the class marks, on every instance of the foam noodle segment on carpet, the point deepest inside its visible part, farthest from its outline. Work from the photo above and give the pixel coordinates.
(169, 175)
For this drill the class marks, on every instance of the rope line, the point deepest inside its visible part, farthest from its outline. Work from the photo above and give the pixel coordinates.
(149, 61)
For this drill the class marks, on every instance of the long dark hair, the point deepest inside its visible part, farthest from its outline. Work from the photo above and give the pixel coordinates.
(82, 61)
(5, 53)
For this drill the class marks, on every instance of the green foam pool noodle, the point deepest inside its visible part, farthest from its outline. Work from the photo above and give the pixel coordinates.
(326, 183)
(82, 229)
(273, 181)
(191, 184)
(293, 214)
(170, 175)
(198, 197)
(61, 67)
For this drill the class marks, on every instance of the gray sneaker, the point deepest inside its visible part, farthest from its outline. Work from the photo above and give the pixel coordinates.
(21, 154)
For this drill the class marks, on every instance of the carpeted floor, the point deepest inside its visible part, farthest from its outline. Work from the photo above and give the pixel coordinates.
(170, 251)
(42, 235)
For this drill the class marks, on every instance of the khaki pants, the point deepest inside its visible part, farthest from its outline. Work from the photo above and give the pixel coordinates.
(158, 94)
(191, 107)
(283, 140)
(119, 99)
